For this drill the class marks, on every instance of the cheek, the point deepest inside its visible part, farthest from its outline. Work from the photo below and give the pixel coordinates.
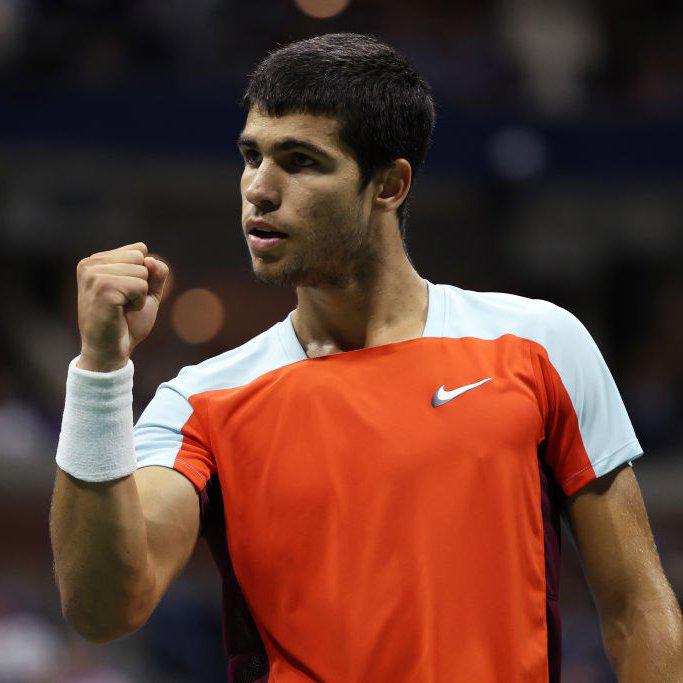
(308, 204)
(323, 217)
(330, 205)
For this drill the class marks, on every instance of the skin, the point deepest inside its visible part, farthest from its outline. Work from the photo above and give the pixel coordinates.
(640, 617)
(344, 254)
(119, 293)
(118, 545)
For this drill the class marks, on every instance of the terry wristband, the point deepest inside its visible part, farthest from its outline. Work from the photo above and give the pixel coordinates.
(96, 440)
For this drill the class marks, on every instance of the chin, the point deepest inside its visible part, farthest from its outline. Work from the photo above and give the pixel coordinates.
(295, 275)
(277, 272)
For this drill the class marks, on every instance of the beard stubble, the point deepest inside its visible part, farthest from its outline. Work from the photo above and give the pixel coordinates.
(335, 255)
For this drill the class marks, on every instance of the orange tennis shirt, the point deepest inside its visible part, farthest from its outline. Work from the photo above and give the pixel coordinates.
(392, 513)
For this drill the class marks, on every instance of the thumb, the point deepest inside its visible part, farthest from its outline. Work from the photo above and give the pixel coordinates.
(158, 274)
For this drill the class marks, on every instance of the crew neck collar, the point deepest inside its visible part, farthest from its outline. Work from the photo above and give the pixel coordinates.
(434, 325)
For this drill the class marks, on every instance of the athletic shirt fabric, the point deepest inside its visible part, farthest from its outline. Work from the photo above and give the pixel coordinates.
(367, 531)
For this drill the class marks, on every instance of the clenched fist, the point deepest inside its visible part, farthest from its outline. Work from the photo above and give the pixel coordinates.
(119, 292)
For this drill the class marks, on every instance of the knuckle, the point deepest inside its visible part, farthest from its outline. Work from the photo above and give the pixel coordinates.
(101, 285)
(82, 265)
(136, 289)
(138, 256)
(88, 279)
(111, 297)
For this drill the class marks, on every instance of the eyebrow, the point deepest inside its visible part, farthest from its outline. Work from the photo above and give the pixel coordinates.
(284, 145)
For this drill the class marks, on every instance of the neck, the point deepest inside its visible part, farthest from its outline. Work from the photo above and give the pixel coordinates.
(389, 304)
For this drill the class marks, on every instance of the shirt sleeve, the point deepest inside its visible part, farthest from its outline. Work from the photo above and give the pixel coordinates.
(170, 433)
(587, 429)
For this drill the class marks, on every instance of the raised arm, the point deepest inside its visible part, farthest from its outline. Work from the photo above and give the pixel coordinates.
(118, 536)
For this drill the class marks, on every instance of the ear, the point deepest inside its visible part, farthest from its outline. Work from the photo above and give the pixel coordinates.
(393, 184)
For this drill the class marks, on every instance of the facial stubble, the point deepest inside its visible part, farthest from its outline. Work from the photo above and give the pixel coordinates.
(337, 251)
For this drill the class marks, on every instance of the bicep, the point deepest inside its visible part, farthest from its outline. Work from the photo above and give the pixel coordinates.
(170, 505)
(612, 533)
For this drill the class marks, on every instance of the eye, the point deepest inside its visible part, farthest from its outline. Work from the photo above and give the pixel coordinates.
(302, 160)
(251, 157)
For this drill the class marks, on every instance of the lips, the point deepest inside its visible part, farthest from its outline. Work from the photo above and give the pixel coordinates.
(262, 236)
(263, 229)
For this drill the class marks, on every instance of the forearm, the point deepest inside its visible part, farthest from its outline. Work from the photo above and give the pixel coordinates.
(99, 541)
(645, 644)
(104, 564)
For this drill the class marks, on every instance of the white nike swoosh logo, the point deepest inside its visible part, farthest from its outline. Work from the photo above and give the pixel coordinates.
(442, 396)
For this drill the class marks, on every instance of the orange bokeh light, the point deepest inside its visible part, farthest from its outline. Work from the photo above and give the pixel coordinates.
(322, 9)
(197, 316)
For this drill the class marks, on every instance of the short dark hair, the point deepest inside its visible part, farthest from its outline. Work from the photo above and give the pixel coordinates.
(384, 106)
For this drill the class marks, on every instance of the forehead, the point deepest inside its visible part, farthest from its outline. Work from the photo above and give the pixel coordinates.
(320, 130)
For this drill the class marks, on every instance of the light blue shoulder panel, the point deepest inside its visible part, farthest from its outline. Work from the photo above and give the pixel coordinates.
(157, 434)
(606, 430)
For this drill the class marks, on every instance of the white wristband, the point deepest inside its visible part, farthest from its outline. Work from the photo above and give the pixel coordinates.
(96, 441)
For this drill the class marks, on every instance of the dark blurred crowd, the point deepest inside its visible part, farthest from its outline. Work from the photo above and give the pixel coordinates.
(603, 239)
(557, 56)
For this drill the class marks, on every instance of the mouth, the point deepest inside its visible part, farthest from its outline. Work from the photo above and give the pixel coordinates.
(264, 237)
(265, 234)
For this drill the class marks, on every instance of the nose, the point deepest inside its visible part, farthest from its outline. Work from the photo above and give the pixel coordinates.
(261, 186)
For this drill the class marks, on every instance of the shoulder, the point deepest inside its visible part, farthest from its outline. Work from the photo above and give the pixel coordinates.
(489, 315)
(235, 367)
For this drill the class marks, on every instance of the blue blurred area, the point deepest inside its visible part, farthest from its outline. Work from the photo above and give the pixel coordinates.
(555, 172)
(164, 120)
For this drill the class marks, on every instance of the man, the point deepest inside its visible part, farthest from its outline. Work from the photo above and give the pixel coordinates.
(381, 474)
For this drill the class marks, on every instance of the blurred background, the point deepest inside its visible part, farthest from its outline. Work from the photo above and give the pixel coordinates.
(555, 173)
